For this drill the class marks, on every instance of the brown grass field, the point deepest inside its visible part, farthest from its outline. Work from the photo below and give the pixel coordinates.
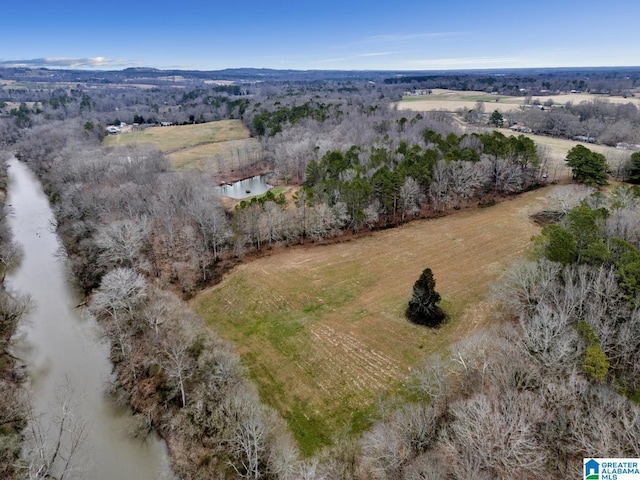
(218, 157)
(215, 147)
(322, 329)
(452, 100)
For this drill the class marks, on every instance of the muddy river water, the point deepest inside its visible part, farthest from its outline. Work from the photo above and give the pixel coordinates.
(62, 346)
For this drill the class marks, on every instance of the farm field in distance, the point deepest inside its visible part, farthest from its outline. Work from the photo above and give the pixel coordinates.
(452, 100)
(556, 148)
(322, 330)
(214, 147)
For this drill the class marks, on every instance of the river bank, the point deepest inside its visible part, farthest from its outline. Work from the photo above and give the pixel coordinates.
(13, 412)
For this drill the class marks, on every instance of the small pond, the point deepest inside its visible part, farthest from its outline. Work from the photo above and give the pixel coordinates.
(249, 187)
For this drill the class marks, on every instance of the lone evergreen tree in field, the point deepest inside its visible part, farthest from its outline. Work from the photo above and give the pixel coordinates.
(496, 119)
(423, 308)
(588, 167)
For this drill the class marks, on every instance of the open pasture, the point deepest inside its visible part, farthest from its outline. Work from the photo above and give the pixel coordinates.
(215, 147)
(322, 330)
(558, 147)
(177, 137)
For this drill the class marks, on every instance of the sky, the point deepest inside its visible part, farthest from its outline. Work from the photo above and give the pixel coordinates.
(320, 34)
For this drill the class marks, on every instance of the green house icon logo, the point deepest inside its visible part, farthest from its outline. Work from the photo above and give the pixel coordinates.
(592, 470)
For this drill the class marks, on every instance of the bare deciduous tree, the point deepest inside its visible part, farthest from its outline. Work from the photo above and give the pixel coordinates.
(12, 310)
(175, 354)
(440, 188)
(206, 210)
(565, 197)
(495, 435)
(54, 442)
(410, 197)
(121, 293)
(122, 243)
(249, 432)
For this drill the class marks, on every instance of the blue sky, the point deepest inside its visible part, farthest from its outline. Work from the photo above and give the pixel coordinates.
(320, 34)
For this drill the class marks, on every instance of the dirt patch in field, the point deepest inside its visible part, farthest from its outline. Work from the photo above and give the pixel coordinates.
(322, 329)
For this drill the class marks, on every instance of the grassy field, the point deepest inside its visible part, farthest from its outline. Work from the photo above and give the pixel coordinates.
(215, 147)
(218, 157)
(452, 100)
(322, 329)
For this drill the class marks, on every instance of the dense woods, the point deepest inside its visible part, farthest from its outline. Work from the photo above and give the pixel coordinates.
(555, 379)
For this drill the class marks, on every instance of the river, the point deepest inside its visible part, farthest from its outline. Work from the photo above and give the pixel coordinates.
(62, 345)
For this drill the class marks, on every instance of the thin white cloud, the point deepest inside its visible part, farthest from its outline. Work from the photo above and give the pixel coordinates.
(376, 54)
(329, 60)
(67, 62)
(404, 37)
